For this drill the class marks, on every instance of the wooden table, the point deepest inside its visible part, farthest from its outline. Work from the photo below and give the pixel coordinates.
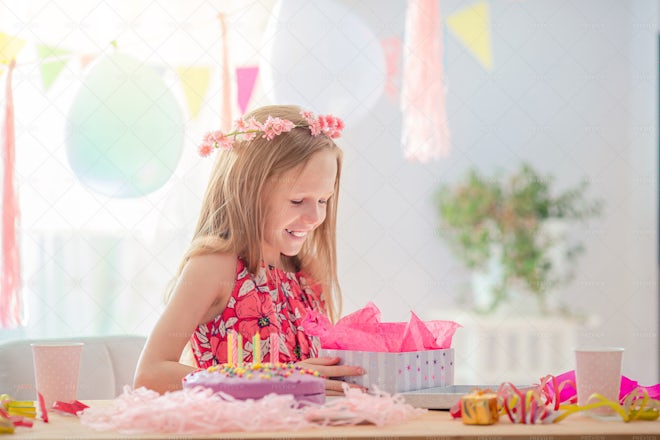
(432, 425)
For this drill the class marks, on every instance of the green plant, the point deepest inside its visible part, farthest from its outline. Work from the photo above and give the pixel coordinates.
(503, 217)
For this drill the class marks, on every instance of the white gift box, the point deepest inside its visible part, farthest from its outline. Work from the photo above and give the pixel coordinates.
(399, 372)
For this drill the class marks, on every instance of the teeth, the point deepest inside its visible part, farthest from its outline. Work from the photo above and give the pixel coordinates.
(297, 233)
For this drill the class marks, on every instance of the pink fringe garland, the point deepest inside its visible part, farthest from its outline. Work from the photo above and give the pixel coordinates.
(425, 131)
(200, 411)
(10, 300)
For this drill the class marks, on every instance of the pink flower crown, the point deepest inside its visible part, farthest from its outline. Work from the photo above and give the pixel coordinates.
(327, 125)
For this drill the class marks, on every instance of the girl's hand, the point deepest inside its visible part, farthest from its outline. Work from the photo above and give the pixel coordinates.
(327, 366)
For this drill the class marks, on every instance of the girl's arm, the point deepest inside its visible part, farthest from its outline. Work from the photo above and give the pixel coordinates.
(201, 293)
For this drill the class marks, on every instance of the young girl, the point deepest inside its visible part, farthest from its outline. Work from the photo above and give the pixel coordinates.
(263, 251)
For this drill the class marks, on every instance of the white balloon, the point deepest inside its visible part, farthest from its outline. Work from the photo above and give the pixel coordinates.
(320, 55)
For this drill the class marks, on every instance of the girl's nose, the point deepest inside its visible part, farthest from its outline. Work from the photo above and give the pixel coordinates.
(313, 214)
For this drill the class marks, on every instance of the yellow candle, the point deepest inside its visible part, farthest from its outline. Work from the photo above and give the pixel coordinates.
(256, 348)
(239, 350)
(230, 347)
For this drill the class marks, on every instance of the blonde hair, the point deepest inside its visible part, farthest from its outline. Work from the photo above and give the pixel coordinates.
(232, 218)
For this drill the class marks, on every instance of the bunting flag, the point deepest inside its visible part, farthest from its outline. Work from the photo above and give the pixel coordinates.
(471, 26)
(51, 64)
(195, 83)
(86, 59)
(10, 301)
(9, 49)
(246, 77)
(425, 131)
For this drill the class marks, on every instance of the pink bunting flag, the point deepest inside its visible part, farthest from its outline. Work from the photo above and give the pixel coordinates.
(425, 132)
(246, 77)
(86, 59)
(10, 301)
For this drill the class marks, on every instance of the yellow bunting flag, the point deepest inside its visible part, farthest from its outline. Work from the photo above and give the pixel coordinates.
(51, 62)
(471, 26)
(9, 48)
(195, 83)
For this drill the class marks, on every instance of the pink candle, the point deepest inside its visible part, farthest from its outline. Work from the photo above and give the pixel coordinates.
(274, 347)
(236, 360)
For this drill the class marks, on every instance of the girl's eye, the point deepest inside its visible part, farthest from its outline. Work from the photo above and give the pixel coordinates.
(323, 202)
(296, 202)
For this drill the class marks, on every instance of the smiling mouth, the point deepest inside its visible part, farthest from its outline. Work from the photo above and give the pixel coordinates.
(298, 234)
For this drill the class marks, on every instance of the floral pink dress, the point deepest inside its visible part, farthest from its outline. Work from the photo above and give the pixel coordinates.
(270, 301)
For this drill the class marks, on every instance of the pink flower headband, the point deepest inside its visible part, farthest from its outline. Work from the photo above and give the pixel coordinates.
(327, 125)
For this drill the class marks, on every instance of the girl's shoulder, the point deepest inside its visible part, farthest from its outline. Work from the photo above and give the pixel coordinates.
(215, 268)
(208, 280)
(214, 260)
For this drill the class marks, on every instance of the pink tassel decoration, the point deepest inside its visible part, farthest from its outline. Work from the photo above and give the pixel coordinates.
(10, 300)
(225, 112)
(425, 132)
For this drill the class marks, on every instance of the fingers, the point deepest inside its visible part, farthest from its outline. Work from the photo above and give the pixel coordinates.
(343, 370)
(333, 393)
(336, 370)
(327, 366)
(336, 387)
(324, 360)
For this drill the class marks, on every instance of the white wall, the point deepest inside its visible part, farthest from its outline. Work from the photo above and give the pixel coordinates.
(574, 92)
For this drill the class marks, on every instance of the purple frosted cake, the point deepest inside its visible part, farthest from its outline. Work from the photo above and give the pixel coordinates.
(254, 381)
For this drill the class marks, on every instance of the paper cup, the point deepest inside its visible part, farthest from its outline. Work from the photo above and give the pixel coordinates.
(56, 370)
(598, 370)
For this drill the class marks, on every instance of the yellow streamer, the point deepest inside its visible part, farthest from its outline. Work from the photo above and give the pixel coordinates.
(636, 406)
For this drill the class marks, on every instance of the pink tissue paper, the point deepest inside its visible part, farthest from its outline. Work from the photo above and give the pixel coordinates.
(397, 356)
(362, 330)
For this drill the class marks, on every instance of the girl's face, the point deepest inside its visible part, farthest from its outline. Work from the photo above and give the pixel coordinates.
(295, 204)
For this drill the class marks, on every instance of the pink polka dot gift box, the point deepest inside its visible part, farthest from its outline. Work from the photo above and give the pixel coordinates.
(396, 356)
(399, 372)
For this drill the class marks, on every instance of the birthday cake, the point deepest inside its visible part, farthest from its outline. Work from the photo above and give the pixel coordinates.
(254, 381)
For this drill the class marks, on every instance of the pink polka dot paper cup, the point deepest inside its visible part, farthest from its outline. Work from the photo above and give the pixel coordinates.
(56, 370)
(598, 370)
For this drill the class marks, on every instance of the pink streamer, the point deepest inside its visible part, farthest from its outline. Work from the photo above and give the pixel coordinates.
(10, 301)
(425, 132)
(627, 385)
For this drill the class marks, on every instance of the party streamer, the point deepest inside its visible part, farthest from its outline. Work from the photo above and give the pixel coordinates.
(554, 399)
(10, 301)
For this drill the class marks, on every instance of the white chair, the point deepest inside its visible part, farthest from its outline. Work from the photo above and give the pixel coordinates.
(107, 364)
